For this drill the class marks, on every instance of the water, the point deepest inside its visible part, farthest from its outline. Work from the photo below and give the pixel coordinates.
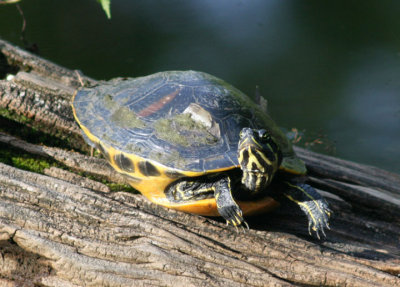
(329, 69)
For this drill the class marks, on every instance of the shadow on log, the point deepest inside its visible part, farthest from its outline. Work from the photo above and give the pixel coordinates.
(62, 229)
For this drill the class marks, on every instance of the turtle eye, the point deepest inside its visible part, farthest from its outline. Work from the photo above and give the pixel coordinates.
(263, 134)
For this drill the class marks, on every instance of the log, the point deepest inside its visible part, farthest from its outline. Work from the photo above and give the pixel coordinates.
(59, 228)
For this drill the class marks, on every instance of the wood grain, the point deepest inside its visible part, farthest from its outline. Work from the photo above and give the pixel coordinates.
(58, 230)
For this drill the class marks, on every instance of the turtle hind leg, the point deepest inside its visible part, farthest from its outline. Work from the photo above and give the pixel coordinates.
(312, 204)
(185, 190)
(193, 189)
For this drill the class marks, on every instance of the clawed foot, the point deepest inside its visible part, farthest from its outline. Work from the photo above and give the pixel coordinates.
(318, 219)
(227, 207)
(313, 205)
(233, 216)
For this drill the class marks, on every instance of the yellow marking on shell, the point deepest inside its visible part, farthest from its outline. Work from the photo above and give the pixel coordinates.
(151, 187)
(135, 158)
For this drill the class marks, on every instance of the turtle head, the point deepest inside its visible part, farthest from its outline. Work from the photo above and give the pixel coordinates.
(259, 158)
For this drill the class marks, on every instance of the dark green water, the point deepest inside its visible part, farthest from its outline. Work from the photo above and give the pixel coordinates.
(326, 67)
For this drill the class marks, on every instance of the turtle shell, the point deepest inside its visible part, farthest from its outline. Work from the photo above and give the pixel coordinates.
(172, 124)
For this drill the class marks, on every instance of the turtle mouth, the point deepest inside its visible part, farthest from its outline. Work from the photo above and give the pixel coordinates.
(255, 181)
(257, 170)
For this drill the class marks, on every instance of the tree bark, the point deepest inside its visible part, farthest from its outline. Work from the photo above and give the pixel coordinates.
(63, 229)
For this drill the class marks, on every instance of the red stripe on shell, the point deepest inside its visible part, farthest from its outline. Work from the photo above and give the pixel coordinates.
(151, 109)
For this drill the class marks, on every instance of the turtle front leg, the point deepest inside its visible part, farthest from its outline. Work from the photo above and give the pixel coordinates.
(313, 205)
(227, 207)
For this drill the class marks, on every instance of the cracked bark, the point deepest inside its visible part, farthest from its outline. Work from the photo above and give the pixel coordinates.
(60, 229)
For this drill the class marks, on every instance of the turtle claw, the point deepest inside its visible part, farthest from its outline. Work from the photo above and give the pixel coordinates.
(233, 216)
(243, 226)
(318, 219)
(313, 206)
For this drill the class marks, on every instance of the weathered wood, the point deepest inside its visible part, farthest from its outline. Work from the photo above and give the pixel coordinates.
(76, 161)
(346, 171)
(38, 93)
(76, 179)
(63, 232)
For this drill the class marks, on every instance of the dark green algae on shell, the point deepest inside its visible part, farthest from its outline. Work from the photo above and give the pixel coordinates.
(156, 117)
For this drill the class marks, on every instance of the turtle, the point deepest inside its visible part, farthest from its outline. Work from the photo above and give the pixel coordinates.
(188, 140)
